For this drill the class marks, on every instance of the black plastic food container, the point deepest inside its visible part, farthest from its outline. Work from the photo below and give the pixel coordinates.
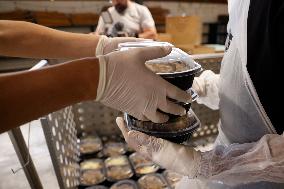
(186, 106)
(181, 79)
(164, 130)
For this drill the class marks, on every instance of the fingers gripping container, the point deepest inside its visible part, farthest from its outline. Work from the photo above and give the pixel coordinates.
(179, 69)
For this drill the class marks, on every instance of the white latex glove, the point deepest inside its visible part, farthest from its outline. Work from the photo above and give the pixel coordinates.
(232, 165)
(207, 88)
(178, 158)
(106, 44)
(127, 85)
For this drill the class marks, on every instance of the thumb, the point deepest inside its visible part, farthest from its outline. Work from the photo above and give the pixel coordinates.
(150, 53)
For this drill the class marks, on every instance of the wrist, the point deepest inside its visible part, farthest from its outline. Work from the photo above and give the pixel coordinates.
(91, 77)
(102, 78)
(103, 40)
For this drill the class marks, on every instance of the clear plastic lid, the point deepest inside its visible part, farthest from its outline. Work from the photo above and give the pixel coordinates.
(142, 165)
(97, 187)
(116, 161)
(118, 168)
(153, 181)
(146, 43)
(114, 149)
(92, 164)
(90, 144)
(92, 177)
(177, 56)
(125, 184)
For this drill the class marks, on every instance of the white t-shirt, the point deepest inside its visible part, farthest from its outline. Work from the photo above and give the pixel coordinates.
(135, 19)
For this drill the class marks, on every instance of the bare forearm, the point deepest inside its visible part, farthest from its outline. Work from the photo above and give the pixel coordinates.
(27, 95)
(148, 34)
(23, 39)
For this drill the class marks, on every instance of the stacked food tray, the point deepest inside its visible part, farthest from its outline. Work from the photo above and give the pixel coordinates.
(107, 162)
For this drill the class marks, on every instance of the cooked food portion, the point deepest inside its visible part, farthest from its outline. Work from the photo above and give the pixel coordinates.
(118, 168)
(115, 173)
(152, 181)
(171, 67)
(114, 149)
(92, 164)
(92, 177)
(137, 159)
(146, 169)
(116, 161)
(172, 177)
(142, 165)
(90, 145)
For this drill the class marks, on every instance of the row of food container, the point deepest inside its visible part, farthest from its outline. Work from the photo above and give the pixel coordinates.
(105, 163)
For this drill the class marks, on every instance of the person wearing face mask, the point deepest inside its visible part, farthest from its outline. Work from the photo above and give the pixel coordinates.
(127, 18)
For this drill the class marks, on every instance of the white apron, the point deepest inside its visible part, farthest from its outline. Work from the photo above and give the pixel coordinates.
(243, 119)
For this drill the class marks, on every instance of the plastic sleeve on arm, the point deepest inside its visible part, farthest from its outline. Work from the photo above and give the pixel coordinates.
(207, 87)
(245, 163)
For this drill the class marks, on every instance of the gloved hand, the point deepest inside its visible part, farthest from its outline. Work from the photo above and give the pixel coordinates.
(231, 165)
(207, 88)
(127, 85)
(106, 44)
(175, 157)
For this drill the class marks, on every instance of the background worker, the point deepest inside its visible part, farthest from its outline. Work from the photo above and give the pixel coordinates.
(127, 18)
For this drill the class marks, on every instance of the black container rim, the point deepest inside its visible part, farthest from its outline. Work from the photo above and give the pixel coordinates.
(126, 181)
(185, 131)
(191, 71)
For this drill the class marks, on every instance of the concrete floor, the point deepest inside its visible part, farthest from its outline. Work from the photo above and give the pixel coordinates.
(40, 156)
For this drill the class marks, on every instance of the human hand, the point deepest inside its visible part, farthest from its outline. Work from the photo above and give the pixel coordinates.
(108, 44)
(179, 158)
(127, 85)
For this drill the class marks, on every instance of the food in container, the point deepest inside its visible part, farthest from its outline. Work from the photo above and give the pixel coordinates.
(141, 165)
(146, 169)
(172, 177)
(118, 168)
(116, 161)
(179, 69)
(153, 181)
(92, 164)
(114, 149)
(92, 177)
(125, 184)
(170, 67)
(90, 144)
